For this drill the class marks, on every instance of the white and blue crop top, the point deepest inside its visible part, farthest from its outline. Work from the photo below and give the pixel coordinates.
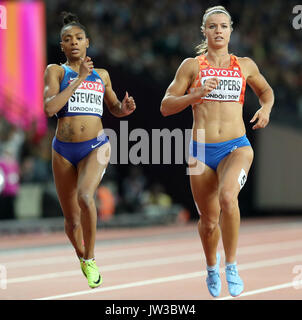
(88, 97)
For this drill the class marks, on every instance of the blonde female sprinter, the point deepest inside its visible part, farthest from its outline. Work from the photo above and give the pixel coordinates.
(214, 84)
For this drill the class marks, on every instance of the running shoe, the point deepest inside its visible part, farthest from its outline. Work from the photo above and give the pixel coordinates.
(91, 271)
(235, 284)
(213, 279)
(82, 266)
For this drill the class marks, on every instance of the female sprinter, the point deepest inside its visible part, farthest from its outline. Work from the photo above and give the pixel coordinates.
(215, 83)
(74, 92)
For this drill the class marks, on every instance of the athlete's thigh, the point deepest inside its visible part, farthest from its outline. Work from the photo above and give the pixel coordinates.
(91, 169)
(65, 178)
(204, 188)
(233, 170)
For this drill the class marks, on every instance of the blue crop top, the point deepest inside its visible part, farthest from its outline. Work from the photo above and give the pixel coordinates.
(87, 99)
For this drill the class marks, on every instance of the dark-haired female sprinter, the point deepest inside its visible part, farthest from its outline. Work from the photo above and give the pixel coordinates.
(74, 92)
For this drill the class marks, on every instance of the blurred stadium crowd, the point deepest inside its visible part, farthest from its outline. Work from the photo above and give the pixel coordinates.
(151, 38)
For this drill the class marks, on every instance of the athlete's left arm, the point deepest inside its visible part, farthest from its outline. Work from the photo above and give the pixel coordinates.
(263, 91)
(116, 107)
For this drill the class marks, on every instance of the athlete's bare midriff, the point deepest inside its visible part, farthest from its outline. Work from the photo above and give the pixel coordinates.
(78, 128)
(221, 121)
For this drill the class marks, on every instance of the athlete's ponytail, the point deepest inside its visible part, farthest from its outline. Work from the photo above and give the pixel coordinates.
(203, 47)
(71, 19)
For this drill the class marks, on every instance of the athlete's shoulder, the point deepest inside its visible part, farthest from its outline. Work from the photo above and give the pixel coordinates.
(54, 69)
(102, 72)
(249, 67)
(189, 66)
(247, 62)
(189, 62)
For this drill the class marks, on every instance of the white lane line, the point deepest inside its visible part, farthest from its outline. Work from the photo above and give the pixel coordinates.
(270, 262)
(271, 247)
(104, 254)
(276, 246)
(255, 265)
(105, 243)
(113, 267)
(143, 263)
(261, 290)
(129, 285)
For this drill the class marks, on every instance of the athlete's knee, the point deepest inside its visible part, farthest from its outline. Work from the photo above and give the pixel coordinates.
(85, 200)
(227, 200)
(207, 225)
(72, 224)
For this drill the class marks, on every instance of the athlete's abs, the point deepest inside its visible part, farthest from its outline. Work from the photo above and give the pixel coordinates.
(221, 121)
(78, 128)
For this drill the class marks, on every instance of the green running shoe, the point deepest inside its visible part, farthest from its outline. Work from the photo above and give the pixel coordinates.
(91, 271)
(82, 266)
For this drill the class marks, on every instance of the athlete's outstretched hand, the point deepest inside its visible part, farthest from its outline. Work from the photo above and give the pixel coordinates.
(263, 118)
(128, 105)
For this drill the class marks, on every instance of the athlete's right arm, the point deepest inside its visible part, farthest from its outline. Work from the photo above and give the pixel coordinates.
(54, 100)
(175, 99)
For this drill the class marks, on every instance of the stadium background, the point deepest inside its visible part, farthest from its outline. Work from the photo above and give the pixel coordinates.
(141, 44)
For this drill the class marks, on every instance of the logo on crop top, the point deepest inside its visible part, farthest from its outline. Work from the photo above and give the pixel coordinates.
(221, 72)
(90, 85)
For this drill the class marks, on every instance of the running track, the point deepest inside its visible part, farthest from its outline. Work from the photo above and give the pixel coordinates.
(158, 263)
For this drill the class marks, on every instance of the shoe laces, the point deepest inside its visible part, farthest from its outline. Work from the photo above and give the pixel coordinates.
(231, 269)
(213, 284)
(90, 264)
(213, 280)
(212, 272)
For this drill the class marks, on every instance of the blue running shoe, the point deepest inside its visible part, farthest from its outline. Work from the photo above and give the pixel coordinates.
(235, 284)
(213, 279)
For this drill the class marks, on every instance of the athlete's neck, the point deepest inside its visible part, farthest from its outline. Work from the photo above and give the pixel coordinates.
(74, 64)
(218, 57)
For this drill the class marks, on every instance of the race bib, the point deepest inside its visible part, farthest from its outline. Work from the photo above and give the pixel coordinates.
(88, 98)
(229, 87)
